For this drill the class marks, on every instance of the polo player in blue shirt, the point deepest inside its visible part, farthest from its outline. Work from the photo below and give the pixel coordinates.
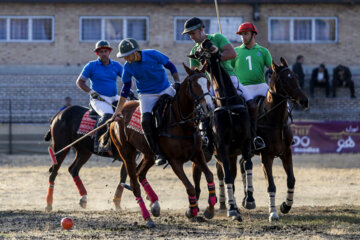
(147, 67)
(102, 74)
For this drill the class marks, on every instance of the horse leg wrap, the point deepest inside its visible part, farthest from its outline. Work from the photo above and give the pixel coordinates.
(243, 175)
(248, 170)
(272, 206)
(144, 211)
(49, 196)
(222, 191)
(230, 194)
(193, 206)
(212, 194)
(149, 191)
(290, 197)
(118, 193)
(80, 186)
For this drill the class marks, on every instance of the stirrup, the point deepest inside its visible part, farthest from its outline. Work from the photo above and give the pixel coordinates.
(259, 143)
(160, 160)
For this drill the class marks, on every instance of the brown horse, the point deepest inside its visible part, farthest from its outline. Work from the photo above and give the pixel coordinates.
(179, 140)
(63, 131)
(274, 128)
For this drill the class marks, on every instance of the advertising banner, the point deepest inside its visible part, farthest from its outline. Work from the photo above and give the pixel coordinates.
(326, 137)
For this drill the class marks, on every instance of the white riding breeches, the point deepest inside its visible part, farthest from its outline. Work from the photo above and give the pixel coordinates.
(148, 100)
(103, 108)
(241, 90)
(257, 90)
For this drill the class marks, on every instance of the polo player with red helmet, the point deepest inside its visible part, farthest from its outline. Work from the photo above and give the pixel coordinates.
(249, 66)
(102, 74)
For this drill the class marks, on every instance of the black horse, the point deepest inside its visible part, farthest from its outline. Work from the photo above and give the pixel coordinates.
(63, 131)
(230, 128)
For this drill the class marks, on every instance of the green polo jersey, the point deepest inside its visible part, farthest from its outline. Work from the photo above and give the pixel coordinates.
(249, 64)
(219, 41)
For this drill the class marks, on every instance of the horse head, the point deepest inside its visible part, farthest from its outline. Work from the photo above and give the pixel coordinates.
(285, 84)
(197, 88)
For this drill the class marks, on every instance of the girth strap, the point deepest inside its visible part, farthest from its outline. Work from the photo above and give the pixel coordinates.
(194, 135)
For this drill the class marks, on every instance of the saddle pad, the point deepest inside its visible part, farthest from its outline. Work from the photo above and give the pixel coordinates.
(87, 124)
(135, 121)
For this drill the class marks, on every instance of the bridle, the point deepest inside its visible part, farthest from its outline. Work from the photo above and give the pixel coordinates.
(285, 97)
(196, 99)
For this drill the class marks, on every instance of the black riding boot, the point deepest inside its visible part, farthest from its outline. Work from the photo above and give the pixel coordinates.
(206, 134)
(258, 142)
(151, 138)
(102, 136)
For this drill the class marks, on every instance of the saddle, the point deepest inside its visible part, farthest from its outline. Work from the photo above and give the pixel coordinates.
(160, 111)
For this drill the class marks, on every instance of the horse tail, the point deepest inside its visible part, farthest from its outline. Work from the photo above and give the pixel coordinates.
(47, 136)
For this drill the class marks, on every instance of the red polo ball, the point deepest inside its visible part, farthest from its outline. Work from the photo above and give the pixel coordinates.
(67, 223)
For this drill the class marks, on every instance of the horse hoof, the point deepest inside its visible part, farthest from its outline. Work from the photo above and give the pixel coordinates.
(237, 218)
(273, 217)
(249, 205)
(285, 208)
(150, 224)
(209, 212)
(82, 203)
(188, 214)
(117, 205)
(232, 213)
(48, 208)
(222, 206)
(155, 209)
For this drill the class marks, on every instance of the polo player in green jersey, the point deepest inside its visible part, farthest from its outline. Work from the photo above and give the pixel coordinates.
(194, 27)
(249, 66)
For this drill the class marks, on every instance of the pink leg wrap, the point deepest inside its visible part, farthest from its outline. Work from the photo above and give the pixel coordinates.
(149, 191)
(193, 206)
(80, 186)
(144, 211)
(49, 196)
(212, 194)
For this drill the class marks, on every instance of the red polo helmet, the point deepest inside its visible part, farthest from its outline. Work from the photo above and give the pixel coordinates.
(247, 27)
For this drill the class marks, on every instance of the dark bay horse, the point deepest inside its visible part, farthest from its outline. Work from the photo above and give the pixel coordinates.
(231, 131)
(274, 128)
(179, 140)
(63, 131)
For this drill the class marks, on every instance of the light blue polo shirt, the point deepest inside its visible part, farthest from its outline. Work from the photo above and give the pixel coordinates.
(149, 73)
(103, 78)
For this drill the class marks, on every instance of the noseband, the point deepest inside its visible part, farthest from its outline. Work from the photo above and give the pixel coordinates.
(195, 98)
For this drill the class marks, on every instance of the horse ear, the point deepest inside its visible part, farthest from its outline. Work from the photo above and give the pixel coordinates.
(274, 66)
(283, 62)
(187, 69)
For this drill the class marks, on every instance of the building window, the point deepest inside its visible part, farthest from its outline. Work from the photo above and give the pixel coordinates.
(26, 29)
(302, 29)
(113, 28)
(229, 27)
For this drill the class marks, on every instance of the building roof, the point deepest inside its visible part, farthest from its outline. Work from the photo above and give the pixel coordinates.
(186, 1)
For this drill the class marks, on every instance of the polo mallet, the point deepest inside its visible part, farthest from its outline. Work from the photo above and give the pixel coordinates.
(218, 15)
(53, 155)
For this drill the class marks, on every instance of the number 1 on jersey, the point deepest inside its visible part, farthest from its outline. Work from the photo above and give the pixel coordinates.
(249, 59)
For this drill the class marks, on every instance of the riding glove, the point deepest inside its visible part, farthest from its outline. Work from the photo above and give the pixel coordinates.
(176, 86)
